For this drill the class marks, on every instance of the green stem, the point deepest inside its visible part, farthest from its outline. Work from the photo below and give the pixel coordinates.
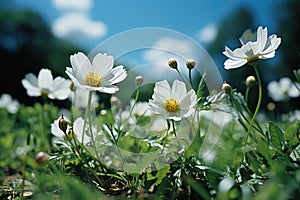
(173, 126)
(23, 174)
(247, 94)
(88, 115)
(87, 112)
(73, 105)
(118, 149)
(180, 75)
(258, 103)
(92, 138)
(130, 113)
(241, 115)
(190, 77)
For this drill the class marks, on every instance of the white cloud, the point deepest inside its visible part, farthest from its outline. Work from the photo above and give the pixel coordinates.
(208, 33)
(73, 4)
(77, 27)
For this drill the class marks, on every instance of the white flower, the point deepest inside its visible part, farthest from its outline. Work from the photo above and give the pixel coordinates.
(174, 103)
(77, 130)
(96, 76)
(44, 85)
(254, 46)
(11, 105)
(283, 90)
(141, 108)
(291, 116)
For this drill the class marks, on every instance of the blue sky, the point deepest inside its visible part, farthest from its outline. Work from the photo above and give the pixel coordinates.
(188, 17)
(89, 23)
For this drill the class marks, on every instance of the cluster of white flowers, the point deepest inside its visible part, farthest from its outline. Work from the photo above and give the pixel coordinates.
(172, 102)
(283, 90)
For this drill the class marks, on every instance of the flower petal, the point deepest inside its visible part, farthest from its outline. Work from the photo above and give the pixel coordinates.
(156, 107)
(119, 74)
(179, 89)
(247, 36)
(237, 54)
(109, 89)
(102, 62)
(61, 89)
(45, 79)
(232, 64)
(272, 44)
(262, 36)
(31, 84)
(80, 62)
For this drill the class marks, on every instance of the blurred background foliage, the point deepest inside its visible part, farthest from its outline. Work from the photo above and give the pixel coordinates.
(27, 45)
(287, 59)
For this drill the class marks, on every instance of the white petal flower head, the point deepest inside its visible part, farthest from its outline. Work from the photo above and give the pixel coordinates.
(45, 85)
(77, 130)
(174, 103)
(255, 46)
(11, 105)
(283, 90)
(96, 76)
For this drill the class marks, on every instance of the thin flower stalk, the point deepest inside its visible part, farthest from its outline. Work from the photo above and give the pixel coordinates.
(258, 103)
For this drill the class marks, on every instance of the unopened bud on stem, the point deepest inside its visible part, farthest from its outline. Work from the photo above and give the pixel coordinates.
(63, 124)
(250, 81)
(226, 88)
(139, 80)
(172, 63)
(41, 158)
(190, 63)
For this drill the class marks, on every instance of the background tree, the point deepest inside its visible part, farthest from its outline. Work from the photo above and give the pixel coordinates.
(26, 46)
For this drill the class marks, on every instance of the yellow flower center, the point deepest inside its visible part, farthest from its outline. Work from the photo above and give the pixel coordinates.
(93, 79)
(172, 105)
(253, 58)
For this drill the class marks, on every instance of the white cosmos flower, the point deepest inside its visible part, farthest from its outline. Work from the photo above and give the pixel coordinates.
(44, 85)
(96, 76)
(174, 103)
(11, 105)
(77, 130)
(254, 46)
(283, 90)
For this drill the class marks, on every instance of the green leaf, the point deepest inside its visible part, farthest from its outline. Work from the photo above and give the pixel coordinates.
(296, 75)
(159, 176)
(202, 89)
(276, 136)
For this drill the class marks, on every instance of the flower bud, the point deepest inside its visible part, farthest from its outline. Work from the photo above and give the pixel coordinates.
(250, 81)
(139, 80)
(172, 63)
(226, 88)
(72, 86)
(41, 158)
(63, 124)
(71, 134)
(271, 106)
(115, 101)
(190, 63)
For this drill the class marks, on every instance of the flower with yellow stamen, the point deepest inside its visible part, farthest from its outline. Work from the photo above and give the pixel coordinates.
(174, 103)
(255, 46)
(98, 75)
